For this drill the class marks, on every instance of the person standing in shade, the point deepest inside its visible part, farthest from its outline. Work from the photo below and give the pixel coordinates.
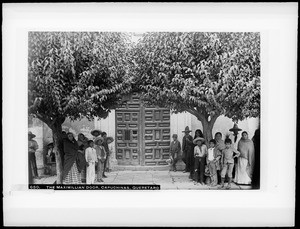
(32, 147)
(101, 156)
(175, 149)
(198, 133)
(212, 160)
(96, 133)
(220, 145)
(91, 158)
(61, 147)
(256, 169)
(109, 140)
(187, 149)
(71, 170)
(105, 145)
(200, 152)
(228, 155)
(245, 162)
(82, 144)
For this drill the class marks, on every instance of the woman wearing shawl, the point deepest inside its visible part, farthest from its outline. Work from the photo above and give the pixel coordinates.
(71, 174)
(83, 145)
(82, 140)
(245, 163)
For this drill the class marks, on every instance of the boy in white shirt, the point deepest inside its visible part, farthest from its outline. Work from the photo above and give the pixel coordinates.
(213, 156)
(91, 158)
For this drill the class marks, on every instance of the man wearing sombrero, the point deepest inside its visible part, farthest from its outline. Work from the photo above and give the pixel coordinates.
(187, 149)
(32, 147)
(96, 133)
(101, 157)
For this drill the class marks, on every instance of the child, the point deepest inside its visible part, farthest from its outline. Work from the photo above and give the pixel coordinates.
(200, 152)
(212, 160)
(101, 156)
(109, 140)
(175, 149)
(91, 158)
(228, 162)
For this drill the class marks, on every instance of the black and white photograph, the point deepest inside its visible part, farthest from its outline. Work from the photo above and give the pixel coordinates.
(177, 109)
(149, 114)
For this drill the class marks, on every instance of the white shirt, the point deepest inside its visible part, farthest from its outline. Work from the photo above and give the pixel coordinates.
(200, 152)
(211, 154)
(90, 155)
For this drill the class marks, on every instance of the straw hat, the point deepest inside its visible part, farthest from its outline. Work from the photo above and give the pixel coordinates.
(30, 134)
(198, 139)
(50, 144)
(187, 129)
(97, 139)
(94, 132)
(110, 138)
(235, 128)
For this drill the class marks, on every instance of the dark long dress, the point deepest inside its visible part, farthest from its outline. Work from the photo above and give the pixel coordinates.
(188, 152)
(71, 174)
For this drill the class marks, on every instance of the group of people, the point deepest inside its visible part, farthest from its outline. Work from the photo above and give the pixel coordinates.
(83, 160)
(216, 159)
(86, 159)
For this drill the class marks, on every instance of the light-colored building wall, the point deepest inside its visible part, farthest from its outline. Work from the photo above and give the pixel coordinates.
(222, 124)
(107, 125)
(178, 122)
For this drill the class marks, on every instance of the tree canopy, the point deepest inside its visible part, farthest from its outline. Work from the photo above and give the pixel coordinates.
(206, 74)
(76, 74)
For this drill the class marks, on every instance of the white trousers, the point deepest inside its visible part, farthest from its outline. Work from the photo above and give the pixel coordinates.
(90, 173)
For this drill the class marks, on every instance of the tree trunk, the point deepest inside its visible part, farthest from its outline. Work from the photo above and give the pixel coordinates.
(58, 149)
(207, 127)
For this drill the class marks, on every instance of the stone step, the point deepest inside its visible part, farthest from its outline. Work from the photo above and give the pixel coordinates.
(179, 166)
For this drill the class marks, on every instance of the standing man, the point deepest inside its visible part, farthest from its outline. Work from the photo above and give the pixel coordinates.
(187, 149)
(105, 145)
(256, 170)
(32, 147)
(220, 145)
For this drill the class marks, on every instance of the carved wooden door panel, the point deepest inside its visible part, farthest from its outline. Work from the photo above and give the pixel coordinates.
(156, 131)
(128, 132)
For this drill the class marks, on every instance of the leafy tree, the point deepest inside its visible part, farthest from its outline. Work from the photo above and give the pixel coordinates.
(205, 74)
(75, 75)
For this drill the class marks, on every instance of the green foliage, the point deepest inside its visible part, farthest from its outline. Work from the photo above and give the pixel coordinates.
(76, 74)
(207, 74)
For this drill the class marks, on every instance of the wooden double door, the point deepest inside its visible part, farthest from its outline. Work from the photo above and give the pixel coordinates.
(142, 134)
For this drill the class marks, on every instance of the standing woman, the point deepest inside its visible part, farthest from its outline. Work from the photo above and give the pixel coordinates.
(82, 142)
(245, 162)
(198, 133)
(71, 173)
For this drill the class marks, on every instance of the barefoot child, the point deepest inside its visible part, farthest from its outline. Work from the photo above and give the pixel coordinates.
(228, 162)
(91, 158)
(212, 160)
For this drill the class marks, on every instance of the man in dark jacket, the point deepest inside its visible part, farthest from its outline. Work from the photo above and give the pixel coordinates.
(256, 169)
(187, 149)
(105, 145)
